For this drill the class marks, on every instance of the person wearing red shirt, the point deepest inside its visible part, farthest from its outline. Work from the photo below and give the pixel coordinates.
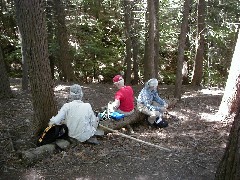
(124, 97)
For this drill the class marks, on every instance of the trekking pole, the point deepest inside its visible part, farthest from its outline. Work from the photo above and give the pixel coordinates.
(130, 137)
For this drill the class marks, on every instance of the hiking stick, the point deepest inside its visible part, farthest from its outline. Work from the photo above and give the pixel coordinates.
(130, 137)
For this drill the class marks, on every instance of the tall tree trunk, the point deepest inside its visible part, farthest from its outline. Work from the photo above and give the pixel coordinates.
(231, 97)
(156, 39)
(181, 47)
(128, 58)
(50, 31)
(5, 90)
(135, 43)
(62, 38)
(32, 26)
(229, 167)
(198, 66)
(149, 70)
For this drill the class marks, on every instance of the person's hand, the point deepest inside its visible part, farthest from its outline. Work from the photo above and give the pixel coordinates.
(166, 105)
(163, 109)
(50, 123)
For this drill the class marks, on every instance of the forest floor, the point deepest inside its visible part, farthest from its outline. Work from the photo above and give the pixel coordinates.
(196, 140)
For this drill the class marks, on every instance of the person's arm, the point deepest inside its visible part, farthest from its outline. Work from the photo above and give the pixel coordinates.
(147, 101)
(59, 117)
(160, 100)
(116, 104)
(94, 121)
(145, 98)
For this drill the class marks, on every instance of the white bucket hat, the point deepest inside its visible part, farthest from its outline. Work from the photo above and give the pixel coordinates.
(153, 82)
(76, 92)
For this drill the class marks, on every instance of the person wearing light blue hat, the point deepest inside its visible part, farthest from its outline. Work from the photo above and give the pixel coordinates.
(150, 103)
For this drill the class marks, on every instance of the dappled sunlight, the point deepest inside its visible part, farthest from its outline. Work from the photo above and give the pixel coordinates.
(212, 91)
(33, 174)
(210, 117)
(158, 134)
(208, 91)
(184, 114)
(15, 88)
(84, 178)
(61, 87)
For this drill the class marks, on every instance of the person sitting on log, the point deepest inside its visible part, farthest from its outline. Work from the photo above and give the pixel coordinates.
(78, 116)
(123, 99)
(151, 104)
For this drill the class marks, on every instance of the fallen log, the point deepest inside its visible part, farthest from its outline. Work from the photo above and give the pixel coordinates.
(136, 117)
(33, 155)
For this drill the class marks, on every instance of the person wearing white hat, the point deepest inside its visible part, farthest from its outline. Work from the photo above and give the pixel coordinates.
(78, 116)
(151, 104)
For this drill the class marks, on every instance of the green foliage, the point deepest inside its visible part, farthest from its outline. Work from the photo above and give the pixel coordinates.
(13, 63)
(9, 40)
(97, 38)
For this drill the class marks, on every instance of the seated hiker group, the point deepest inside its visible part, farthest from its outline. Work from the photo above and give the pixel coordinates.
(83, 123)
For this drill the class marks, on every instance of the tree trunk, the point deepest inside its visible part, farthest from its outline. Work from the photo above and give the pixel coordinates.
(62, 38)
(231, 97)
(5, 90)
(128, 58)
(156, 39)
(149, 66)
(198, 66)
(229, 167)
(135, 43)
(51, 36)
(181, 47)
(32, 27)
(150, 71)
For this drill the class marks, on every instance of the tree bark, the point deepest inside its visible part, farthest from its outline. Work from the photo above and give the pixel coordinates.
(156, 39)
(128, 120)
(198, 65)
(62, 38)
(135, 42)
(149, 72)
(181, 47)
(231, 97)
(32, 27)
(5, 90)
(31, 156)
(128, 58)
(229, 167)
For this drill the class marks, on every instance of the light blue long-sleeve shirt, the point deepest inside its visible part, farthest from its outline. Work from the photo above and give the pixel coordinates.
(147, 96)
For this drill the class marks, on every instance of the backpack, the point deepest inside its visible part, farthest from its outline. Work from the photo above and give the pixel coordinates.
(52, 133)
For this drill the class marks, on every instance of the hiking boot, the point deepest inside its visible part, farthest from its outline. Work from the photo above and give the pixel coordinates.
(93, 140)
(160, 124)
